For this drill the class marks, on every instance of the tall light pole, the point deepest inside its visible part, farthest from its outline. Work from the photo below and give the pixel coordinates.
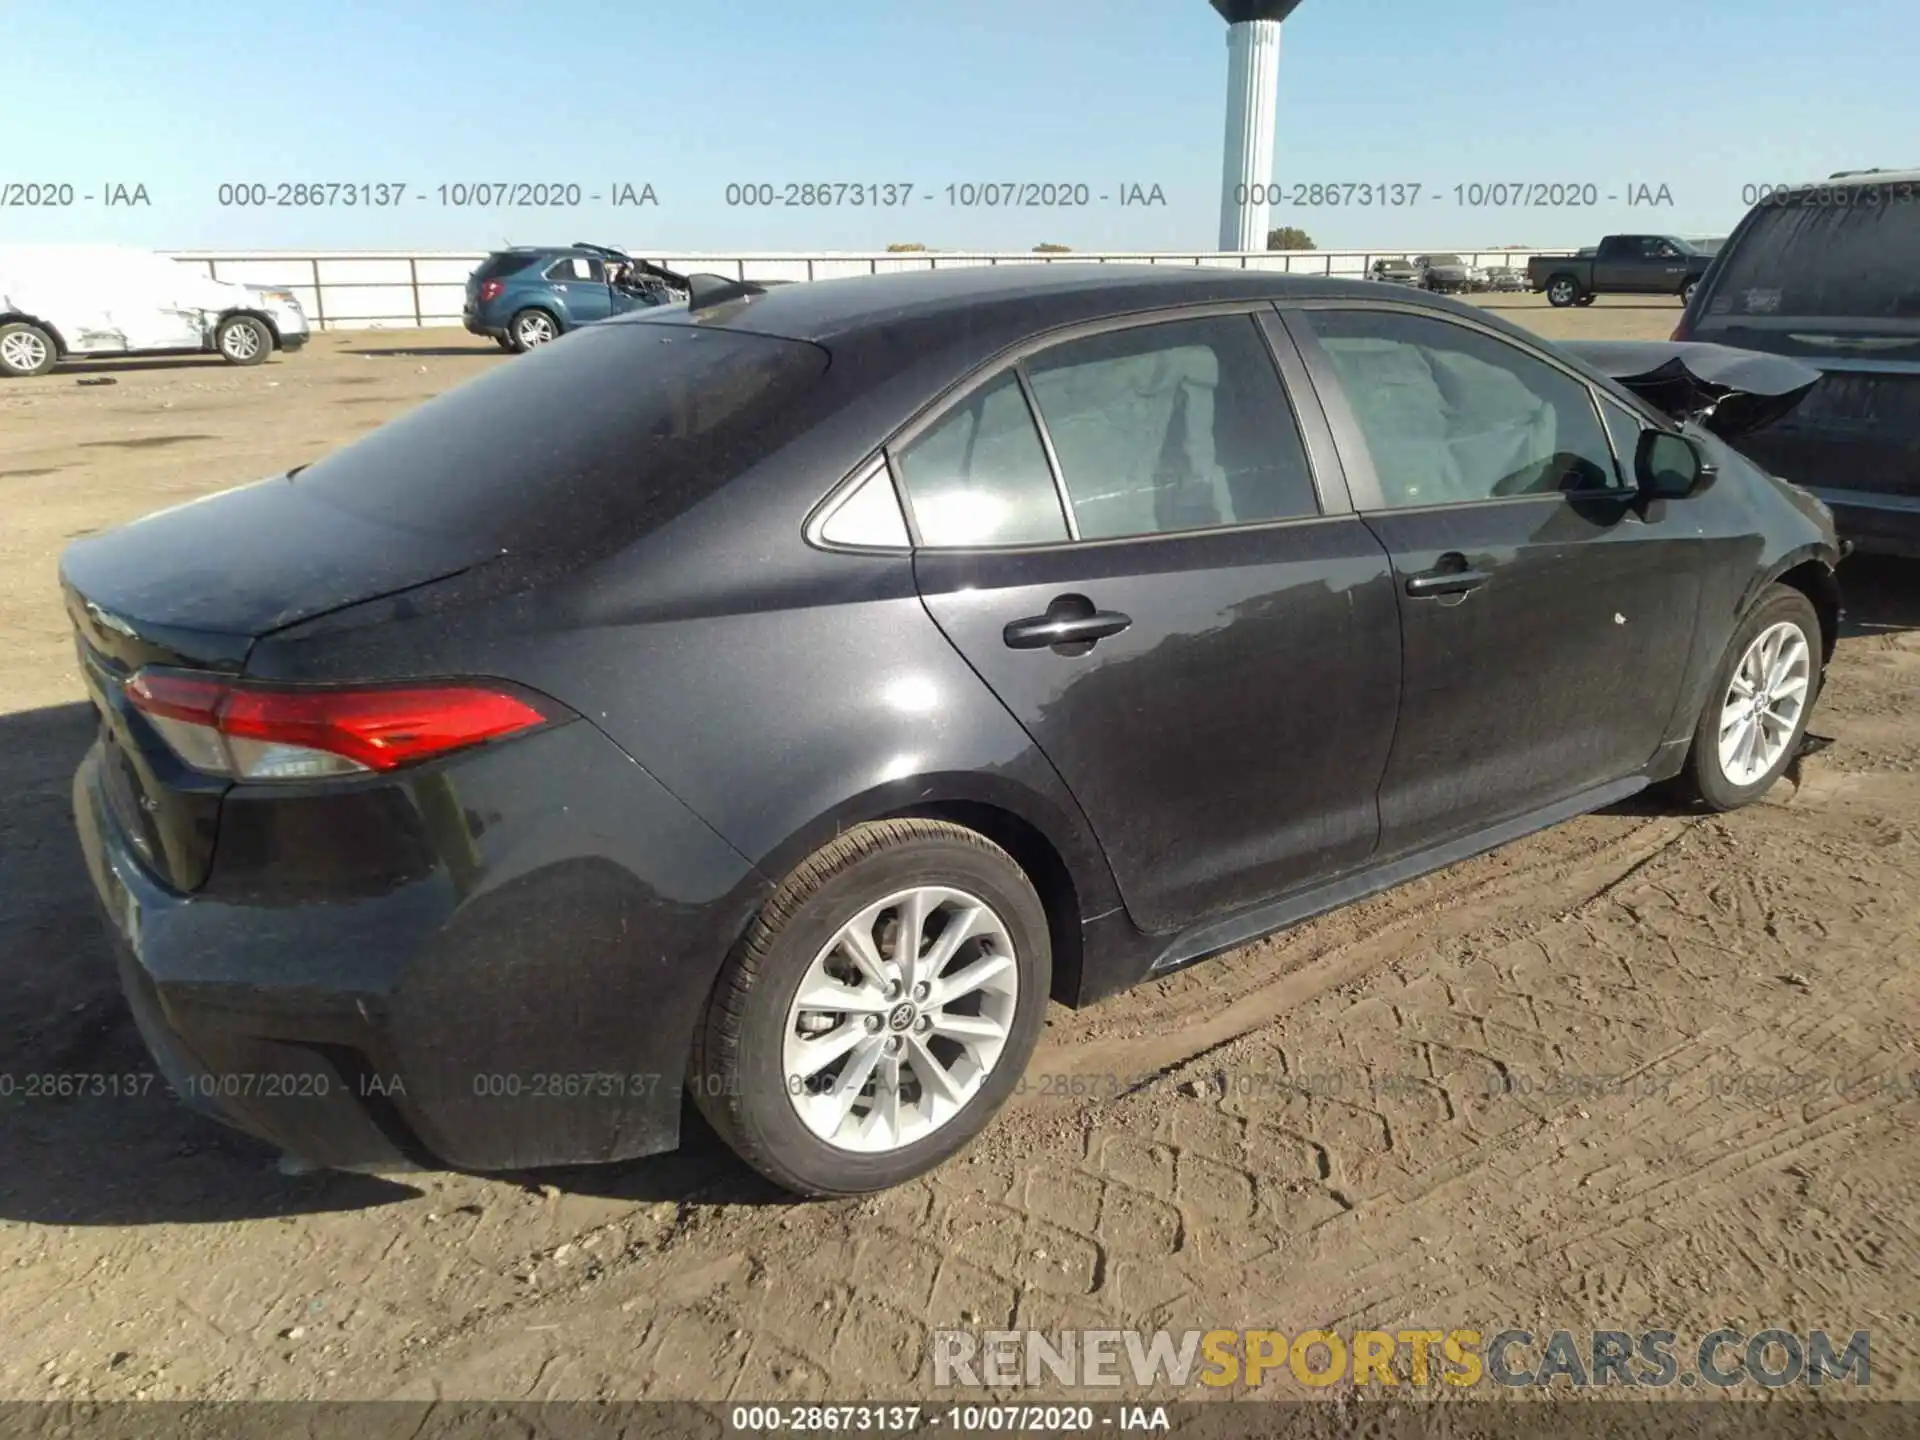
(1253, 91)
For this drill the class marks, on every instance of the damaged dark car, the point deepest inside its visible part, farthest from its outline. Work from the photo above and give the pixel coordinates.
(866, 665)
(1825, 274)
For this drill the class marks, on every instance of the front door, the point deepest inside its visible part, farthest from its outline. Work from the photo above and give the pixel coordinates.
(1546, 614)
(1149, 582)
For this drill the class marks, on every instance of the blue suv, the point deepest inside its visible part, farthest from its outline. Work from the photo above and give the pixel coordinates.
(529, 295)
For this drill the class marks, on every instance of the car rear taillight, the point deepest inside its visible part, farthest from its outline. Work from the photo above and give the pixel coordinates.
(258, 732)
(491, 289)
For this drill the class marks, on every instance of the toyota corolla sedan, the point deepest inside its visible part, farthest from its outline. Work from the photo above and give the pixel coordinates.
(865, 664)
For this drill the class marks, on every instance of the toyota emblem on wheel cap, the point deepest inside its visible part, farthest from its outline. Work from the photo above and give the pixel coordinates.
(900, 1017)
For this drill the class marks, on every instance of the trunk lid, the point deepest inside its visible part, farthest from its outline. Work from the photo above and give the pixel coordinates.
(194, 587)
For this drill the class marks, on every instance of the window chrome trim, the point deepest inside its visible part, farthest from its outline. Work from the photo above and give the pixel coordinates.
(1060, 492)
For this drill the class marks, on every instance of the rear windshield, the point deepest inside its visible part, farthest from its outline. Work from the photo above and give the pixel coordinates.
(504, 263)
(582, 444)
(1823, 255)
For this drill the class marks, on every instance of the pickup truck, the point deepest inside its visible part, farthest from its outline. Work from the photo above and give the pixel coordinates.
(1620, 265)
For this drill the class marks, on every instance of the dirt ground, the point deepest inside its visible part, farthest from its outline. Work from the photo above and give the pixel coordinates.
(1407, 1114)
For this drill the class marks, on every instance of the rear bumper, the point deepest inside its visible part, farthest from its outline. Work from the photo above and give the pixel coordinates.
(477, 324)
(518, 997)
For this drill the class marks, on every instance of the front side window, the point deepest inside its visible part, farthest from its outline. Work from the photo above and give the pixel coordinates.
(1182, 425)
(979, 476)
(1453, 416)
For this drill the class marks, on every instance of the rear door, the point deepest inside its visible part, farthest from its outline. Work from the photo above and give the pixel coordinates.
(1123, 535)
(1616, 263)
(580, 282)
(1546, 614)
(1831, 276)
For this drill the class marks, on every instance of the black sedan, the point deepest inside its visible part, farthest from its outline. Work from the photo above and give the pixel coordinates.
(779, 697)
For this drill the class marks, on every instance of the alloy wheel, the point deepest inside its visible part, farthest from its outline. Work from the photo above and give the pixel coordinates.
(535, 329)
(1764, 702)
(900, 1018)
(23, 351)
(241, 342)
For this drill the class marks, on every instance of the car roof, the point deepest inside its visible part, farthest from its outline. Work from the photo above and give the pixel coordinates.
(1041, 296)
(1868, 177)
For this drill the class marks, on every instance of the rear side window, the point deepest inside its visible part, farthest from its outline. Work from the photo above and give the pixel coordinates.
(576, 267)
(980, 475)
(1823, 255)
(500, 266)
(1176, 426)
(589, 441)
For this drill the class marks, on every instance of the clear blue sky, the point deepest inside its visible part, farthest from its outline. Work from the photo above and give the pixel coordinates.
(1702, 96)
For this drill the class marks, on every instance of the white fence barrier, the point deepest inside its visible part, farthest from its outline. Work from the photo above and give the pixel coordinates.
(381, 289)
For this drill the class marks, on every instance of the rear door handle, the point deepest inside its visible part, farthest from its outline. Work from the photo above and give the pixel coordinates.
(1070, 620)
(1452, 576)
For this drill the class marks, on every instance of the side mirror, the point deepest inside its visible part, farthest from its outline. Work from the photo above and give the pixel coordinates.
(1668, 466)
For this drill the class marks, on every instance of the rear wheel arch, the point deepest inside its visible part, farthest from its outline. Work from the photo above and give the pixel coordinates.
(1065, 866)
(1045, 870)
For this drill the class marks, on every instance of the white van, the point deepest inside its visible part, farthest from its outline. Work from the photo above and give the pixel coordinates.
(69, 302)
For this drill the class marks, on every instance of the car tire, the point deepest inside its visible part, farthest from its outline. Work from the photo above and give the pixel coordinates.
(1562, 291)
(1686, 291)
(26, 349)
(751, 1074)
(1708, 777)
(505, 342)
(531, 328)
(243, 340)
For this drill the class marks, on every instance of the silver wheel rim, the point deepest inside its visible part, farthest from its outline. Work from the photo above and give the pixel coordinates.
(1686, 294)
(886, 1042)
(536, 330)
(23, 350)
(1764, 702)
(1560, 290)
(241, 342)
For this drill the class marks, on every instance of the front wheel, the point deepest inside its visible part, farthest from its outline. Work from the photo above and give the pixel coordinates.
(1686, 291)
(1562, 291)
(1756, 714)
(879, 1012)
(243, 340)
(25, 349)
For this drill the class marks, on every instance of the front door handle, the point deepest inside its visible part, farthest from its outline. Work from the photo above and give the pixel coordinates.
(1070, 620)
(1452, 576)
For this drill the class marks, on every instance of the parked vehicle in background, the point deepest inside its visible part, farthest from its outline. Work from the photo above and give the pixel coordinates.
(782, 697)
(1448, 274)
(529, 295)
(1507, 278)
(1620, 265)
(77, 302)
(1829, 273)
(1398, 271)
